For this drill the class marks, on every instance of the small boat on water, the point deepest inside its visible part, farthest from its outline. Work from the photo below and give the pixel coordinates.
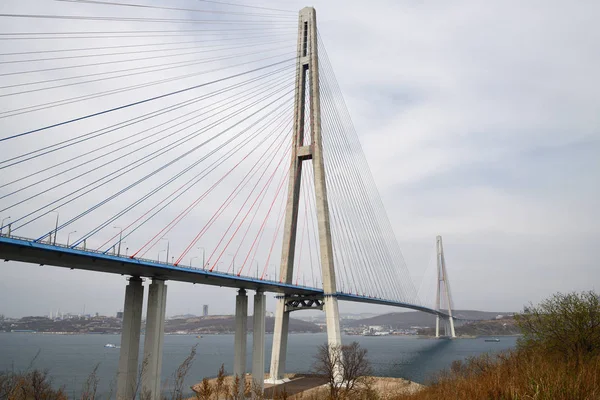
(199, 337)
(110, 345)
(496, 340)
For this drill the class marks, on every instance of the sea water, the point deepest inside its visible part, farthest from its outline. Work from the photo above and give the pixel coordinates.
(70, 358)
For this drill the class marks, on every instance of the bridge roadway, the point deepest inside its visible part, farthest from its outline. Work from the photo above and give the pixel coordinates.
(26, 250)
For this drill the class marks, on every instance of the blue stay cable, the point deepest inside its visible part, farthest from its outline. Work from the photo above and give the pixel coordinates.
(138, 102)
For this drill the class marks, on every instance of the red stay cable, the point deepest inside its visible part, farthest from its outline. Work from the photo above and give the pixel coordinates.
(232, 197)
(246, 232)
(162, 201)
(250, 209)
(223, 206)
(275, 235)
(264, 222)
(262, 231)
(187, 210)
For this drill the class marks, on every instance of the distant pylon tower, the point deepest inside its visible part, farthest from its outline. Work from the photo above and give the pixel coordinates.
(442, 285)
(307, 71)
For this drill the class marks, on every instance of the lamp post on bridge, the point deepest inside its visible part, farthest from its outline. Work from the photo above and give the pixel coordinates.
(2, 223)
(167, 239)
(158, 255)
(192, 259)
(127, 248)
(68, 237)
(274, 272)
(203, 257)
(120, 238)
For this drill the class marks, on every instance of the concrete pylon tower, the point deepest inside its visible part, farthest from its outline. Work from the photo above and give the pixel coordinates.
(442, 285)
(307, 71)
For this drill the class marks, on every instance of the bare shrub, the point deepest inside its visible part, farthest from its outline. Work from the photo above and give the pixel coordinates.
(90, 387)
(29, 384)
(180, 374)
(33, 384)
(345, 367)
(141, 373)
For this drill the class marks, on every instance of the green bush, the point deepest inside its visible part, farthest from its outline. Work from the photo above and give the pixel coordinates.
(564, 324)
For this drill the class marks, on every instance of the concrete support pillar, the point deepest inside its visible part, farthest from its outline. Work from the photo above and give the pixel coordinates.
(280, 336)
(130, 339)
(241, 329)
(334, 332)
(258, 340)
(153, 342)
(437, 326)
(445, 326)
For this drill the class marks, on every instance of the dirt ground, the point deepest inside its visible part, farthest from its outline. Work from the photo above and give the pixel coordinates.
(310, 386)
(389, 387)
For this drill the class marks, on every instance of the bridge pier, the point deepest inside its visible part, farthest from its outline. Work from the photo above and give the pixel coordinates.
(280, 336)
(154, 339)
(130, 339)
(241, 325)
(258, 340)
(334, 332)
(448, 325)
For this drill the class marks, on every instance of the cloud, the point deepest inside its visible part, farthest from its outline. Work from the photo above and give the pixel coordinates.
(479, 121)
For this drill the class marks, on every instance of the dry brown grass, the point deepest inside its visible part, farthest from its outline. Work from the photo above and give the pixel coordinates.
(558, 358)
(520, 374)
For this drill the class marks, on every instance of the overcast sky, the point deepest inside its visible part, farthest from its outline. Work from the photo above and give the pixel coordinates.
(480, 122)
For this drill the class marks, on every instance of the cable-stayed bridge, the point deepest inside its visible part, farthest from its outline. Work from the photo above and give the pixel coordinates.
(207, 144)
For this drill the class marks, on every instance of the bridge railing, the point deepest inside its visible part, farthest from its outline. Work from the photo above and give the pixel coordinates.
(146, 260)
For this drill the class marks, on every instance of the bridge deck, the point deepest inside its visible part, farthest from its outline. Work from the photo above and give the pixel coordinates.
(26, 250)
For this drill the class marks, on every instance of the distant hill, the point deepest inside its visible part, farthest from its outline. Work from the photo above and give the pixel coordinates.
(226, 323)
(405, 320)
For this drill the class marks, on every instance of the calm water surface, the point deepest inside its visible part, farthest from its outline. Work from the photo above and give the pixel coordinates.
(70, 358)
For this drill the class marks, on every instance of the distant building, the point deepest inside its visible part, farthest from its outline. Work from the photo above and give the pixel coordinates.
(205, 310)
(120, 314)
(376, 328)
